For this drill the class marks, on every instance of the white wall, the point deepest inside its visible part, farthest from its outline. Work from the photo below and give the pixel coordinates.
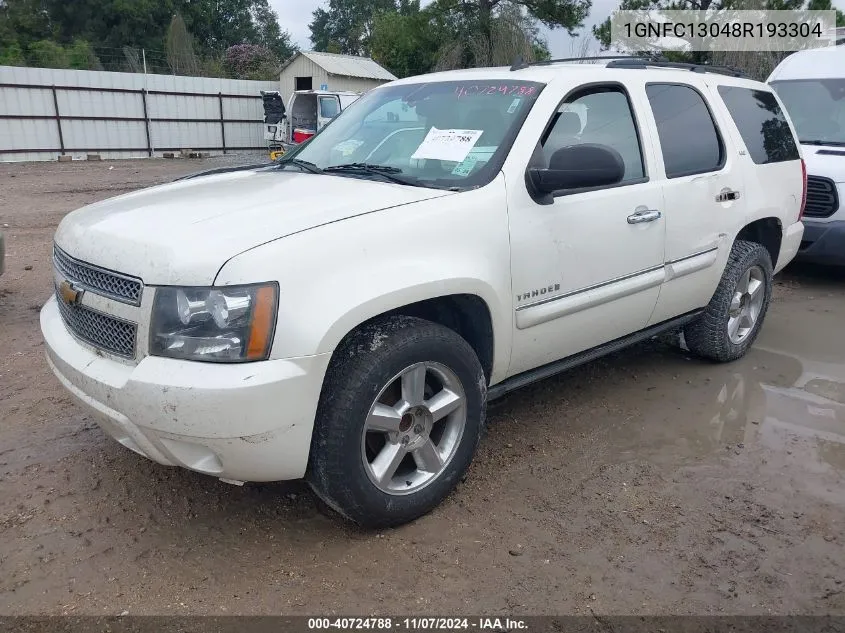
(301, 67)
(124, 139)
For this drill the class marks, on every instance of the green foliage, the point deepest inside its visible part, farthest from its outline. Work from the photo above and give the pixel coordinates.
(406, 42)
(95, 33)
(12, 55)
(48, 54)
(81, 56)
(410, 40)
(347, 26)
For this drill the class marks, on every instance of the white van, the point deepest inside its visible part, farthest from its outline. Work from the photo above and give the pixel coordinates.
(306, 113)
(811, 85)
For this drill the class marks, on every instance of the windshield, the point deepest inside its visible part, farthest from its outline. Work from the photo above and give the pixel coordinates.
(816, 107)
(442, 134)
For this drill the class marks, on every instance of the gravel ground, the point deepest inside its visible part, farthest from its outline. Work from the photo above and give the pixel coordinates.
(646, 483)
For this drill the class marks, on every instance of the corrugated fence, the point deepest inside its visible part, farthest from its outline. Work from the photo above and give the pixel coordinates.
(46, 113)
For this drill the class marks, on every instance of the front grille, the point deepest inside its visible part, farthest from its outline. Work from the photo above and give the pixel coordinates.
(822, 201)
(104, 282)
(100, 330)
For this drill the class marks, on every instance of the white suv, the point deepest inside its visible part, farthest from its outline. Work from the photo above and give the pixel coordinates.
(345, 314)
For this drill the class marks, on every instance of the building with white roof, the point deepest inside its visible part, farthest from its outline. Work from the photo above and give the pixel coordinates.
(310, 70)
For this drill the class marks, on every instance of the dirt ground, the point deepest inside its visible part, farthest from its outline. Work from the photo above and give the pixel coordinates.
(646, 483)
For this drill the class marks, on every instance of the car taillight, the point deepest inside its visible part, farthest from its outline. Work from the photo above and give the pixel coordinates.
(804, 193)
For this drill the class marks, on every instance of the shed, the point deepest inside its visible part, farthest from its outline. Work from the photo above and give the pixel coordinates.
(310, 70)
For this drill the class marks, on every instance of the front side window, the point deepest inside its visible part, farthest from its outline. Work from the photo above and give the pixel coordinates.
(602, 116)
(817, 109)
(329, 108)
(440, 134)
(761, 123)
(688, 137)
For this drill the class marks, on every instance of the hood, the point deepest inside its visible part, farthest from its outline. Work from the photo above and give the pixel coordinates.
(183, 232)
(829, 164)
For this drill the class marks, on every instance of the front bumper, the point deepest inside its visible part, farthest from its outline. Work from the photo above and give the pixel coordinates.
(823, 243)
(241, 422)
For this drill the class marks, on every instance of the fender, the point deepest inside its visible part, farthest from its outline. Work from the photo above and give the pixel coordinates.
(334, 277)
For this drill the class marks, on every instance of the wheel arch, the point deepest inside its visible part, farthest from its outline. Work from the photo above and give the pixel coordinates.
(468, 314)
(767, 232)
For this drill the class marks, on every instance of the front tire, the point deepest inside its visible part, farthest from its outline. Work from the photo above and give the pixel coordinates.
(400, 417)
(735, 314)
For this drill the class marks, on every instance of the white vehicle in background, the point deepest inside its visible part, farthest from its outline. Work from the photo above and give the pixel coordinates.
(448, 239)
(811, 85)
(306, 113)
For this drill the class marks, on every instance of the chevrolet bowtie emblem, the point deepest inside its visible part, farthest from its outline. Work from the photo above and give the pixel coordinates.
(69, 294)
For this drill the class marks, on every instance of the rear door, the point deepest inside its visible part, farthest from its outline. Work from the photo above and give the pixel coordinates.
(770, 158)
(703, 189)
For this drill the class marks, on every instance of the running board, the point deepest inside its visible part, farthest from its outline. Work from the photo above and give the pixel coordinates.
(559, 366)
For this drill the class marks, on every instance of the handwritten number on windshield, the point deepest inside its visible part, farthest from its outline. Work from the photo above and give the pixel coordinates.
(493, 89)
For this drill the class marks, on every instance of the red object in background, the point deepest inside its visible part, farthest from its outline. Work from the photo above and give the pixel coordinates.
(804, 195)
(300, 136)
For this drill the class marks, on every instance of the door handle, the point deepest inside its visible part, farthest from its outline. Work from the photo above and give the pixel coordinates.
(646, 215)
(726, 195)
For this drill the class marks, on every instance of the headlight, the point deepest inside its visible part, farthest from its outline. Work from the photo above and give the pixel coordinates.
(230, 324)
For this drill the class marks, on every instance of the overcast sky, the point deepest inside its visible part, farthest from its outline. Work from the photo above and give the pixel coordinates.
(296, 14)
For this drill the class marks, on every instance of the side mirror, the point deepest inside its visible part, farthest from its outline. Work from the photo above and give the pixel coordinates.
(579, 167)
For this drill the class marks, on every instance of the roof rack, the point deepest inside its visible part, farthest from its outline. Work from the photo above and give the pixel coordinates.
(696, 68)
(519, 63)
(636, 61)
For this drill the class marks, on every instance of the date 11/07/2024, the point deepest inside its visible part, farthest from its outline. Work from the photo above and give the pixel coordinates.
(418, 624)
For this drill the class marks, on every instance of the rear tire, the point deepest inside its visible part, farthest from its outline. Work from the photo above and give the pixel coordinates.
(735, 314)
(400, 417)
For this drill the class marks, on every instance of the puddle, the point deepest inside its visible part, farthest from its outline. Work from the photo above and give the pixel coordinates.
(773, 399)
(670, 409)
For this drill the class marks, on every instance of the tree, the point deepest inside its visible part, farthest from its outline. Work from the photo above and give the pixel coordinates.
(347, 25)
(180, 49)
(112, 27)
(251, 61)
(408, 39)
(494, 32)
(406, 42)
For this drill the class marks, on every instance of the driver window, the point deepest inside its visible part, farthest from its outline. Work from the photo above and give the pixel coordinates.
(602, 116)
(329, 108)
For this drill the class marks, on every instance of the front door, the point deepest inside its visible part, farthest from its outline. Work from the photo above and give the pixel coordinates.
(588, 267)
(328, 108)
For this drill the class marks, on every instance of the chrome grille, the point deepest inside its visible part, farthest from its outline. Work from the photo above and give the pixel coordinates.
(100, 330)
(822, 201)
(104, 282)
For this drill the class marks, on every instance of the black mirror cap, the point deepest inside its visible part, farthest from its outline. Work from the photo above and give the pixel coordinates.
(579, 167)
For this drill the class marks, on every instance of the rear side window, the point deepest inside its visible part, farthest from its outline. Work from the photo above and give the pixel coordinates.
(761, 124)
(690, 141)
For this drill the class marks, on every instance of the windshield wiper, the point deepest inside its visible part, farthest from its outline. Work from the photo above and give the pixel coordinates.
(816, 142)
(304, 165)
(385, 171)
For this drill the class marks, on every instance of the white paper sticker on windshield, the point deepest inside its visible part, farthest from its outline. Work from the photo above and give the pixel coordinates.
(514, 106)
(451, 145)
(348, 147)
